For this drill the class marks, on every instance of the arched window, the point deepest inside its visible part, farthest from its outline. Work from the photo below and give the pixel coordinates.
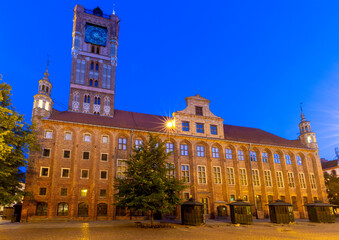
(83, 66)
(62, 209)
(91, 82)
(97, 67)
(87, 99)
(41, 209)
(47, 89)
(102, 209)
(92, 65)
(43, 88)
(97, 100)
(96, 83)
(77, 74)
(107, 101)
(83, 210)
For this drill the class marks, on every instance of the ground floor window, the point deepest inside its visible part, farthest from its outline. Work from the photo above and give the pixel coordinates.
(83, 210)
(205, 202)
(62, 209)
(102, 209)
(41, 209)
(121, 211)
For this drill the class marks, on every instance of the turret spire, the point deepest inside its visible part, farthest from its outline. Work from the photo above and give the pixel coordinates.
(302, 114)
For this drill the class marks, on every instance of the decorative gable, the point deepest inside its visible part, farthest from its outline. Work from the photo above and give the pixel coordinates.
(198, 120)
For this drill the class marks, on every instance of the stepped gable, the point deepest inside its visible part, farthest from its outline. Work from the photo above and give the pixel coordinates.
(149, 122)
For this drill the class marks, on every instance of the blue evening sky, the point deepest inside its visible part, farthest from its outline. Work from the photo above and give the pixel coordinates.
(255, 60)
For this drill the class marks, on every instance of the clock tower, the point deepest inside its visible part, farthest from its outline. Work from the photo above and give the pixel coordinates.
(94, 60)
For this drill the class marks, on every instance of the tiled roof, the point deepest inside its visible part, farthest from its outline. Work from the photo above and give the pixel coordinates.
(155, 123)
(329, 164)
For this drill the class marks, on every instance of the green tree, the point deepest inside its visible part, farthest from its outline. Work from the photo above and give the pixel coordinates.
(332, 185)
(147, 187)
(16, 138)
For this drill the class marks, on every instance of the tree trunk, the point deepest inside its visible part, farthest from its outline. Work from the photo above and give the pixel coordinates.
(152, 218)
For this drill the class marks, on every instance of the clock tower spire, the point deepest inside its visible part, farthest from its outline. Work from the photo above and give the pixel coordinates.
(94, 60)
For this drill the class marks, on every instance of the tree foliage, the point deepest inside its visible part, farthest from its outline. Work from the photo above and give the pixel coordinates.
(147, 187)
(16, 138)
(332, 185)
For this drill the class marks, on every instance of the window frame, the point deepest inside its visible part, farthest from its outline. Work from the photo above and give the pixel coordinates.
(214, 129)
(241, 157)
(185, 128)
(200, 151)
(81, 175)
(49, 152)
(105, 137)
(83, 155)
(200, 127)
(215, 152)
(256, 177)
(121, 174)
(122, 143)
(48, 131)
(264, 157)
(268, 178)
(87, 135)
(243, 177)
(202, 176)
(69, 172)
(102, 154)
(63, 155)
(280, 179)
(185, 173)
(66, 134)
(184, 149)
(291, 181)
(229, 154)
(42, 167)
(217, 177)
(230, 176)
(40, 191)
(101, 172)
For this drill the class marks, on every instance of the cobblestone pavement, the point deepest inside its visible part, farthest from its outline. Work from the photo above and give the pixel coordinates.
(128, 230)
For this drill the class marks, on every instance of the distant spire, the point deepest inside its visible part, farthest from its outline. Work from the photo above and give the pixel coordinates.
(302, 114)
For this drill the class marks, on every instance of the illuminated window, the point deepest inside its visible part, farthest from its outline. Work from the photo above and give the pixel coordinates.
(185, 173)
(169, 148)
(276, 158)
(228, 153)
(217, 175)
(40, 103)
(205, 202)
(49, 134)
(264, 157)
(170, 170)
(253, 156)
(200, 127)
(200, 151)
(280, 179)
(268, 179)
(241, 155)
(83, 192)
(122, 167)
(184, 149)
(309, 139)
(294, 203)
(258, 201)
(122, 143)
(230, 176)
(138, 143)
(215, 152)
(291, 180)
(47, 106)
(243, 177)
(62, 209)
(202, 174)
(288, 159)
(255, 177)
(313, 184)
(232, 197)
(104, 139)
(302, 180)
(87, 137)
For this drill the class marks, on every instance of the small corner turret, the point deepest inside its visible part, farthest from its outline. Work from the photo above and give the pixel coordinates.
(43, 103)
(307, 137)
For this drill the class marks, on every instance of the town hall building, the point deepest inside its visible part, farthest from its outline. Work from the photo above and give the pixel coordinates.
(86, 147)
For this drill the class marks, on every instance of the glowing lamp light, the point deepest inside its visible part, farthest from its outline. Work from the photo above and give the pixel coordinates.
(170, 124)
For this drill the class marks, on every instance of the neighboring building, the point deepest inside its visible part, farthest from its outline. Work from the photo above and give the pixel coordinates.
(85, 148)
(331, 167)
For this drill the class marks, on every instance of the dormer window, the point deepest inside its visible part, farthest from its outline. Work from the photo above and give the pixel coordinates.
(198, 111)
(214, 130)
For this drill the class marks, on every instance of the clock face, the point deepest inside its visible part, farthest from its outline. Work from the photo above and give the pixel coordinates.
(96, 35)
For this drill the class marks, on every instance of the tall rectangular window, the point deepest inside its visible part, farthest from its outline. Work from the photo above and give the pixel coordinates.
(288, 159)
(313, 184)
(280, 179)
(276, 158)
(122, 143)
(259, 202)
(200, 151)
(291, 179)
(217, 175)
(200, 127)
(253, 156)
(299, 160)
(302, 180)
(185, 126)
(198, 111)
(205, 202)
(214, 130)
(228, 153)
(264, 157)
(268, 178)
(170, 170)
(255, 176)
(243, 177)
(202, 174)
(215, 152)
(185, 173)
(241, 155)
(169, 148)
(230, 176)
(184, 149)
(121, 169)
